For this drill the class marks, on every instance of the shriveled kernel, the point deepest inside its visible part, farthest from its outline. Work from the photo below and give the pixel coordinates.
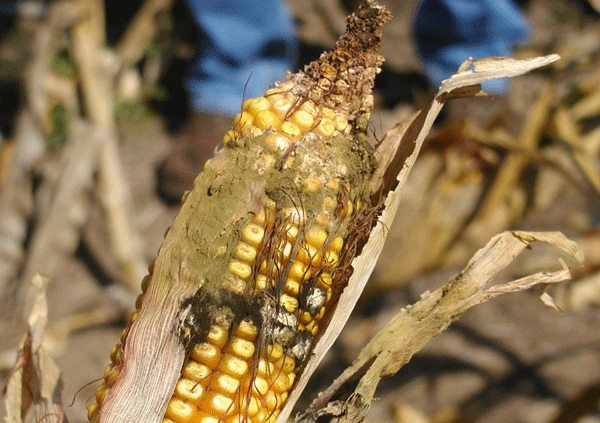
(305, 318)
(247, 330)
(242, 121)
(217, 335)
(266, 119)
(255, 105)
(277, 142)
(233, 366)
(240, 269)
(217, 404)
(316, 236)
(134, 316)
(303, 120)
(189, 390)
(291, 129)
(289, 303)
(281, 107)
(245, 252)
(180, 411)
(241, 348)
(196, 371)
(224, 384)
(253, 234)
(206, 353)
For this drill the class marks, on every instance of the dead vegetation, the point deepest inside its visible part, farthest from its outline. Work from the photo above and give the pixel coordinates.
(532, 162)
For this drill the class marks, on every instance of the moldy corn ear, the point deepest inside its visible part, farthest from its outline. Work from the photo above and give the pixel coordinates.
(253, 265)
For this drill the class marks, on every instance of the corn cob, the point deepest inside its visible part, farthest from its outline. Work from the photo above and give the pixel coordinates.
(264, 249)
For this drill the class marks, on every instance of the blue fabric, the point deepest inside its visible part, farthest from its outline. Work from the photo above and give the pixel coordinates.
(448, 32)
(246, 40)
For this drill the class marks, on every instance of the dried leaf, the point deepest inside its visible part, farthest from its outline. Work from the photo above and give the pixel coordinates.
(411, 329)
(33, 389)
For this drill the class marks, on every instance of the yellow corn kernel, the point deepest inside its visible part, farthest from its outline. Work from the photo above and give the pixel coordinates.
(286, 364)
(325, 128)
(316, 236)
(207, 354)
(216, 404)
(204, 418)
(139, 300)
(281, 383)
(224, 384)
(265, 368)
(242, 122)
(325, 280)
(260, 385)
(299, 271)
(290, 129)
(292, 287)
(253, 234)
(281, 107)
(290, 304)
(180, 411)
(241, 348)
(266, 119)
(240, 269)
(260, 282)
(92, 411)
(217, 335)
(255, 105)
(331, 258)
(327, 113)
(189, 390)
(101, 393)
(275, 352)
(341, 123)
(245, 252)
(248, 407)
(196, 371)
(271, 400)
(233, 366)
(303, 120)
(247, 330)
(337, 244)
(277, 142)
(262, 415)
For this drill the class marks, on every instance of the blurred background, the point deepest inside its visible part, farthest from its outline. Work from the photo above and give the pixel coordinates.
(93, 95)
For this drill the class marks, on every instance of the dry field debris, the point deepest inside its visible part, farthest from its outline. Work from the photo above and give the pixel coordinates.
(263, 264)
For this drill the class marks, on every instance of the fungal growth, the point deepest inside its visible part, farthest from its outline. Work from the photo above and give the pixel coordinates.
(253, 266)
